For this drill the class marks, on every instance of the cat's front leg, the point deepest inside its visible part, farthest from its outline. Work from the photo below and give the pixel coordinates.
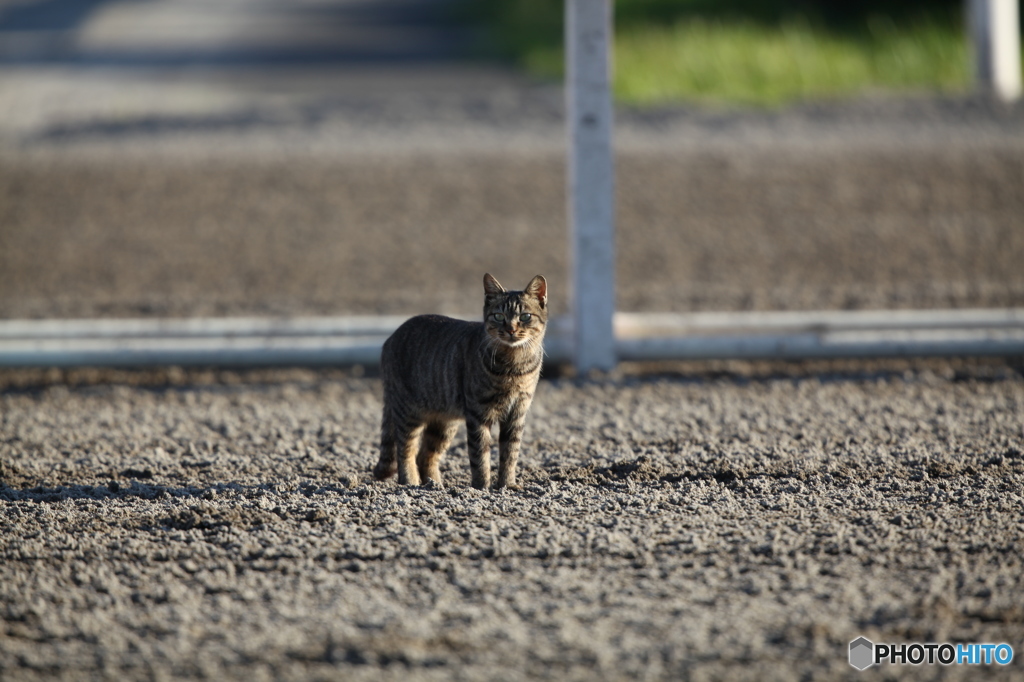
(408, 443)
(509, 439)
(478, 440)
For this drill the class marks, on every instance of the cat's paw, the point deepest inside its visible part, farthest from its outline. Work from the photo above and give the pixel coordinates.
(432, 484)
(383, 473)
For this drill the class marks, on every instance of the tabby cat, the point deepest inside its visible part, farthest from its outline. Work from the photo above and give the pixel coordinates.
(437, 371)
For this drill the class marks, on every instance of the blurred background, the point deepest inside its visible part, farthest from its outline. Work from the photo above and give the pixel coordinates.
(249, 157)
(756, 52)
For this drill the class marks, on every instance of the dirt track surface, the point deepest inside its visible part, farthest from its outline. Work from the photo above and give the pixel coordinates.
(744, 527)
(809, 213)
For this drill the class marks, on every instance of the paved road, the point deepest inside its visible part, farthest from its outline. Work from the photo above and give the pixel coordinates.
(176, 33)
(125, 72)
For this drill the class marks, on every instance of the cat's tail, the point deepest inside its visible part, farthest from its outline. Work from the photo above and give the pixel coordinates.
(387, 465)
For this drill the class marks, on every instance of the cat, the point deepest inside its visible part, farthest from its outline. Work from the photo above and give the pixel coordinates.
(437, 371)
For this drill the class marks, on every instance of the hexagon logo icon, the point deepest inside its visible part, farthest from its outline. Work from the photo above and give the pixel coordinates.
(862, 653)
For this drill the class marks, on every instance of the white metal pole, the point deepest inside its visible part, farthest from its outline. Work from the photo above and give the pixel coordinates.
(995, 34)
(588, 35)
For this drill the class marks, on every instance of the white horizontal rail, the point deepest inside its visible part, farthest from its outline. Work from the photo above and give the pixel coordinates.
(191, 351)
(865, 344)
(645, 324)
(639, 336)
(202, 327)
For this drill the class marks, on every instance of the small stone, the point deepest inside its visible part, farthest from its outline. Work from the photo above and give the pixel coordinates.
(317, 516)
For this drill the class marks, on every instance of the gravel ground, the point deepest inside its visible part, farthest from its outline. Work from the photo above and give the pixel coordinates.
(725, 523)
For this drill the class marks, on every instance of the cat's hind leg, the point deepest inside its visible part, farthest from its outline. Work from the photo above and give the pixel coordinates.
(437, 436)
(387, 465)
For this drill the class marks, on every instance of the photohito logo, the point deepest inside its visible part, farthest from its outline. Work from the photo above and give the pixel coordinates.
(864, 653)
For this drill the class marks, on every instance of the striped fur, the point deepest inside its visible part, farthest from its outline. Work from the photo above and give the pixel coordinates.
(437, 371)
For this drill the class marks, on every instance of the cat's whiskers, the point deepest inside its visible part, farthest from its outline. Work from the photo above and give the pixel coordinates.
(534, 343)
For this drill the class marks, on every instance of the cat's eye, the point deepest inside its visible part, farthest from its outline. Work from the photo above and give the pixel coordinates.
(498, 317)
(525, 318)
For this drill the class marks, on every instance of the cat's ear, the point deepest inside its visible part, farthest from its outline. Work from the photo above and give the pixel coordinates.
(491, 286)
(538, 288)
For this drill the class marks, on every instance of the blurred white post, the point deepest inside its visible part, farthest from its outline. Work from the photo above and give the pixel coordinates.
(588, 35)
(995, 33)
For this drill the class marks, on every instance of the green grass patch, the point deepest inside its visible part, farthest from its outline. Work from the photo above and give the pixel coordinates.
(748, 63)
(751, 52)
